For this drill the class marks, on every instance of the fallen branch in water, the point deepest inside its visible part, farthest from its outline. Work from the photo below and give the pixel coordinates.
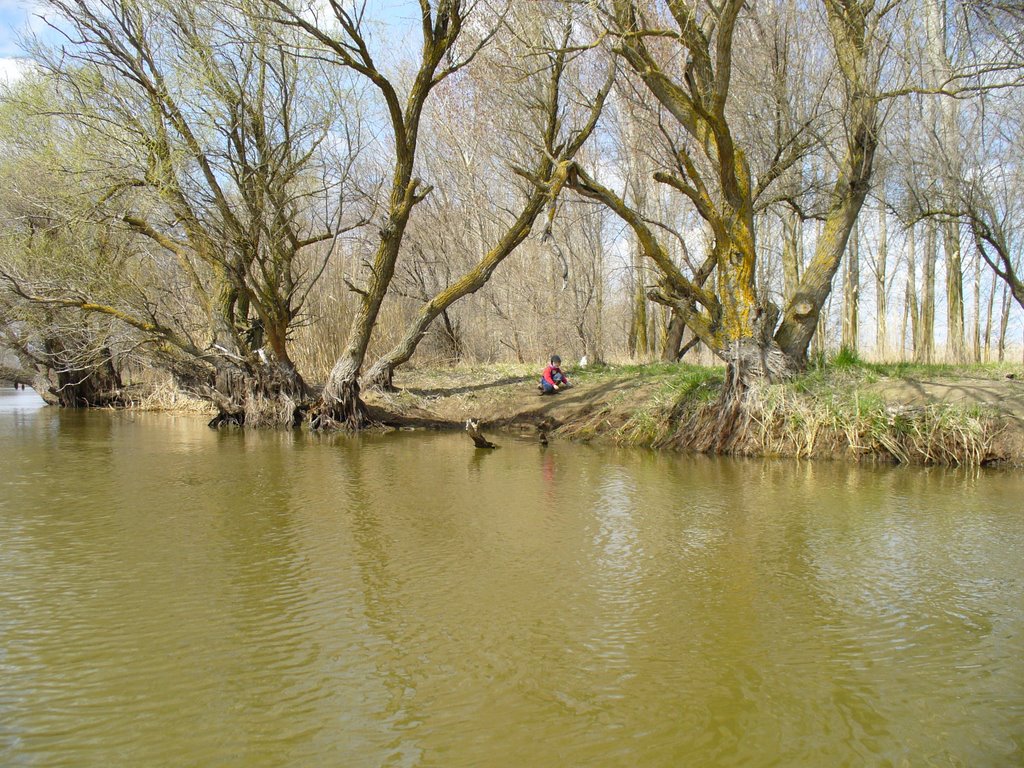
(473, 428)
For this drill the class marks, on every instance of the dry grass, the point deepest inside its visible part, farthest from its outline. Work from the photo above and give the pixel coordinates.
(166, 397)
(834, 421)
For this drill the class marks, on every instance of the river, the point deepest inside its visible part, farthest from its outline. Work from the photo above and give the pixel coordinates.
(175, 596)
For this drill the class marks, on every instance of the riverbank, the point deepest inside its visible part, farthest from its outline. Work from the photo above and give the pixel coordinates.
(947, 415)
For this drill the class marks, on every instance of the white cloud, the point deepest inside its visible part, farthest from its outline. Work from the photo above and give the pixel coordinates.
(12, 69)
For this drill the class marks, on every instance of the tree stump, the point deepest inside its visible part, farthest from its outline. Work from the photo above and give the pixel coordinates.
(473, 428)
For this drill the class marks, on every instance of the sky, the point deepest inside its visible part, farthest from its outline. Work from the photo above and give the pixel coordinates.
(19, 16)
(16, 17)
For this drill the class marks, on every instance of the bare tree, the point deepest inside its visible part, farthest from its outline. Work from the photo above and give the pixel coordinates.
(544, 97)
(685, 61)
(206, 146)
(342, 39)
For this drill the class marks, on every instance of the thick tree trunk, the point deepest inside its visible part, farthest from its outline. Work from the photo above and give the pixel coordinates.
(74, 378)
(673, 337)
(264, 394)
(955, 348)
(851, 293)
(340, 406)
(847, 23)
(801, 315)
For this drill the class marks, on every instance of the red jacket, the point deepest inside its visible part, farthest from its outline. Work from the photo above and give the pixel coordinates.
(549, 375)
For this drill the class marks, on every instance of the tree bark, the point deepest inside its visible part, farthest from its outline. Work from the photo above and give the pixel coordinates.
(73, 378)
(976, 345)
(848, 23)
(925, 350)
(988, 316)
(851, 293)
(673, 337)
(881, 301)
(1004, 323)
(956, 348)
(791, 255)
(381, 374)
(637, 341)
(911, 302)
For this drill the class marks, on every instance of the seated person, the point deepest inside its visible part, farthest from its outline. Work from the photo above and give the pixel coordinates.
(553, 380)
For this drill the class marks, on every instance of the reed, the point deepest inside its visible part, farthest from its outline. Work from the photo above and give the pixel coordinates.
(166, 397)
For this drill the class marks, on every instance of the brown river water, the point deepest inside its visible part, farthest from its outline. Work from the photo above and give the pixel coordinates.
(175, 596)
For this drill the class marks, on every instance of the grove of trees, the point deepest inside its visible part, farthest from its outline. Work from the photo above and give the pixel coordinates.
(277, 204)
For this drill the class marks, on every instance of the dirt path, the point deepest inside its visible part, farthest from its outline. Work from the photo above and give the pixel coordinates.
(502, 397)
(1005, 396)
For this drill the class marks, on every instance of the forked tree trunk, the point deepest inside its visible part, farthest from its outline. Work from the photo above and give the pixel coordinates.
(70, 381)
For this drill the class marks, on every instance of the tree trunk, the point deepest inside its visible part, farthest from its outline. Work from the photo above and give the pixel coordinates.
(340, 406)
(800, 319)
(638, 326)
(988, 317)
(925, 350)
(881, 301)
(791, 255)
(905, 323)
(673, 337)
(851, 293)
(255, 393)
(1004, 323)
(596, 354)
(77, 378)
(956, 351)
(976, 346)
(381, 374)
(911, 294)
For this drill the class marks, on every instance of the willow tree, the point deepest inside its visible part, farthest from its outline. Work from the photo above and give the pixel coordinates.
(206, 137)
(342, 39)
(683, 56)
(70, 358)
(546, 117)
